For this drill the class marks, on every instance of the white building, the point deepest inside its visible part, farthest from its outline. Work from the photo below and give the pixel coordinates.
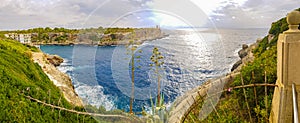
(22, 38)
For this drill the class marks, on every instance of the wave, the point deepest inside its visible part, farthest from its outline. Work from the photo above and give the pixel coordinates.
(93, 95)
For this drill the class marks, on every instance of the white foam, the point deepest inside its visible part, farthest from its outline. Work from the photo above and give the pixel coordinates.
(94, 95)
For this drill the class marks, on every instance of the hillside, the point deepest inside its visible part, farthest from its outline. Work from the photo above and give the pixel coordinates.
(233, 106)
(90, 36)
(20, 77)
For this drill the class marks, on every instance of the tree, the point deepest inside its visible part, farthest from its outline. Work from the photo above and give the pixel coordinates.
(157, 60)
(48, 29)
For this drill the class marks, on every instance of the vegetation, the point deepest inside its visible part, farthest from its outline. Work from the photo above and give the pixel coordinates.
(249, 104)
(158, 113)
(131, 50)
(48, 35)
(157, 60)
(118, 30)
(62, 35)
(21, 77)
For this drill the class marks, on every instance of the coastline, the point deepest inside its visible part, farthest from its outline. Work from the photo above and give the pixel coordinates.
(183, 103)
(60, 79)
(110, 43)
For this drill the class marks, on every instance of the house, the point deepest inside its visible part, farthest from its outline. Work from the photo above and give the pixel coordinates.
(22, 38)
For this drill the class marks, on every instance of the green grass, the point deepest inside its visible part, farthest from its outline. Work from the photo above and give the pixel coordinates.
(20, 76)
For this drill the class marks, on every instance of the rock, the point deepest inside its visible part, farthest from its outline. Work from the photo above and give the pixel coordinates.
(242, 53)
(259, 40)
(55, 60)
(245, 46)
(236, 65)
(60, 79)
(270, 37)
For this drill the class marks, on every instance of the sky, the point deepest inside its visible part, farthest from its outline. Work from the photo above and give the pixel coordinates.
(24, 14)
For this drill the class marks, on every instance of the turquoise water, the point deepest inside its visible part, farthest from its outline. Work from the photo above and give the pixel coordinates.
(101, 75)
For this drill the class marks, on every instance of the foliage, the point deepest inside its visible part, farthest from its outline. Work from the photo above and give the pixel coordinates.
(157, 60)
(232, 107)
(117, 30)
(158, 113)
(47, 34)
(131, 50)
(20, 77)
(62, 35)
(278, 27)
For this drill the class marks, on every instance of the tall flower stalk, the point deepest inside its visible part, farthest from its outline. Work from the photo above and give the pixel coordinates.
(131, 49)
(157, 62)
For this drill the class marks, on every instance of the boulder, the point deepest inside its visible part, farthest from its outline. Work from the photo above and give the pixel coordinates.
(242, 53)
(55, 60)
(259, 40)
(236, 65)
(245, 46)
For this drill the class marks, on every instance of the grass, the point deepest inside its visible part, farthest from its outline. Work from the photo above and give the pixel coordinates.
(20, 77)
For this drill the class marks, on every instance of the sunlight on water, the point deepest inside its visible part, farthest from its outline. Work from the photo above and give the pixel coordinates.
(191, 58)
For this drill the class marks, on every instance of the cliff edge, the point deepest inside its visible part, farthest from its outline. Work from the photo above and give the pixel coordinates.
(61, 80)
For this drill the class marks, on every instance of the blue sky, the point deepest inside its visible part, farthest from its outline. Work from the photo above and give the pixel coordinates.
(23, 14)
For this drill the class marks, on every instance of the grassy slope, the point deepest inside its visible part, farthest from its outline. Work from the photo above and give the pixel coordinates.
(19, 76)
(233, 107)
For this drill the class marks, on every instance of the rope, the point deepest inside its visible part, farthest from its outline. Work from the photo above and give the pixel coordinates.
(78, 112)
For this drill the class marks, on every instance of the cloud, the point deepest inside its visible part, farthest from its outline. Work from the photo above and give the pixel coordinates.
(253, 13)
(23, 14)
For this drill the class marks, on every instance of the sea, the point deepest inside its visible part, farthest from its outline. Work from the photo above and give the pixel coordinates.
(102, 75)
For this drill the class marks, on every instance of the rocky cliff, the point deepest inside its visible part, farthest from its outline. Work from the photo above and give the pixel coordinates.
(138, 35)
(61, 80)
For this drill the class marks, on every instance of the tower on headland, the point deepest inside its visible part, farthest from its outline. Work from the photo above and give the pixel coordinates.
(288, 72)
(157, 27)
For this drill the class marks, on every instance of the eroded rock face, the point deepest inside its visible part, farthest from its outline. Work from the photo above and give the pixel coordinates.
(60, 79)
(245, 55)
(55, 60)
